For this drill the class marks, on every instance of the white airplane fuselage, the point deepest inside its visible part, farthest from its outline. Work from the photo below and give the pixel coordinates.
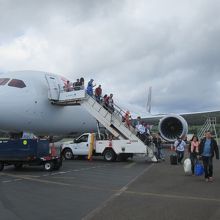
(28, 108)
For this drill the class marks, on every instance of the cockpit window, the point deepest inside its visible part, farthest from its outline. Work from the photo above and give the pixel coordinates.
(17, 83)
(3, 81)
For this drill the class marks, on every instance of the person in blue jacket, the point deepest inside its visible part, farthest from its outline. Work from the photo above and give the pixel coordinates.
(207, 148)
(90, 86)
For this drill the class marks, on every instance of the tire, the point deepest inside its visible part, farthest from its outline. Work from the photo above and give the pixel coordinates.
(68, 154)
(48, 166)
(1, 166)
(109, 155)
(18, 166)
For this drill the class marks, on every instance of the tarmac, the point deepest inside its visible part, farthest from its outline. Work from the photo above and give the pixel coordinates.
(135, 189)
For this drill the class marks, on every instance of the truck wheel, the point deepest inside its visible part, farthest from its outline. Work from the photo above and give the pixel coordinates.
(109, 155)
(48, 166)
(68, 154)
(1, 166)
(18, 165)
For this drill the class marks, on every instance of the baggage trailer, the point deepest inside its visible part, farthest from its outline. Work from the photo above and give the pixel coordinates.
(33, 152)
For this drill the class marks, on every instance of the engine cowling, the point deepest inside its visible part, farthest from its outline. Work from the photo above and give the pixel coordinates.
(173, 126)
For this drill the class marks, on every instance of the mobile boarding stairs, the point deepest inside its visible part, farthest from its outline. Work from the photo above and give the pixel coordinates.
(111, 121)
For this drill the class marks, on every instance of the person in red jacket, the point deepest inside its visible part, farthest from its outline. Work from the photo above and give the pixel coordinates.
(98, 93)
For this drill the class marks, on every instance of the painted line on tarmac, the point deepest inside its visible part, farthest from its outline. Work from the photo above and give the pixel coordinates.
(72, 171)
(7, 181)
(32, 177)
(48, 182)
(10, 181)
(17, 180)
(37, 180)
(95, 211)
(64, 177)
(170, 196)
(124, 188)
(130, 165)
(87, 187)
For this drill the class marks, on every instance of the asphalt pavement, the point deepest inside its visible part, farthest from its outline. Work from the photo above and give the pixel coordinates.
(99, 190)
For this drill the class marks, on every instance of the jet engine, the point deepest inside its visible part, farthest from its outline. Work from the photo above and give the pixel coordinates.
(172, 126)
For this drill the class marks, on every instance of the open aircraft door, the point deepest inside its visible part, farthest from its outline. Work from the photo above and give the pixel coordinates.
(53, 87)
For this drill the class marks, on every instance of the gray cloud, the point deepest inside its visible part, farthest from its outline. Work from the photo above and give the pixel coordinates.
(126, 46)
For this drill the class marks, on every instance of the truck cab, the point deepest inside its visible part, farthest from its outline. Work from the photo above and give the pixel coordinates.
(78, 147)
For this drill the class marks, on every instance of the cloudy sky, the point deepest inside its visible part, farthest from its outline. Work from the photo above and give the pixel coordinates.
(125, 45)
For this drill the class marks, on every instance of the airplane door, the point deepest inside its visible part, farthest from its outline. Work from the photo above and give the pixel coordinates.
(53, 87)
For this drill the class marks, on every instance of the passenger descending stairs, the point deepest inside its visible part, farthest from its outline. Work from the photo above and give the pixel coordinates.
(111, 121)
(208, 125)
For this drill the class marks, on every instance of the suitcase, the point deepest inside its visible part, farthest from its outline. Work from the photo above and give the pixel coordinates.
(173, 159)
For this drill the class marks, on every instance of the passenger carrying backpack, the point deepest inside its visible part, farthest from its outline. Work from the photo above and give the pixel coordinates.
(187, 166)
(199, 169)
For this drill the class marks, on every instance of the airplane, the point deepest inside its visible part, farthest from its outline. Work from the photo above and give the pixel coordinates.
(25, 107)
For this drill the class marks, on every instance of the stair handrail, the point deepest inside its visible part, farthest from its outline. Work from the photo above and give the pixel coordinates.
(206, 126)
(210, 122)
(117, 112)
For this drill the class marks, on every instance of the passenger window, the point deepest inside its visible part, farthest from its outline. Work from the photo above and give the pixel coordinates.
(3, 81)
(84, 138)
(16, 83)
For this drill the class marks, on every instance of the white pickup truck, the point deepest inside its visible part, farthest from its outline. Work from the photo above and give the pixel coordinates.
(109, 149)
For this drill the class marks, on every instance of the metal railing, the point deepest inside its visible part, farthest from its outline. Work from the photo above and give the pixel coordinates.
(208, 125)
(116, 111)
(72, 88)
